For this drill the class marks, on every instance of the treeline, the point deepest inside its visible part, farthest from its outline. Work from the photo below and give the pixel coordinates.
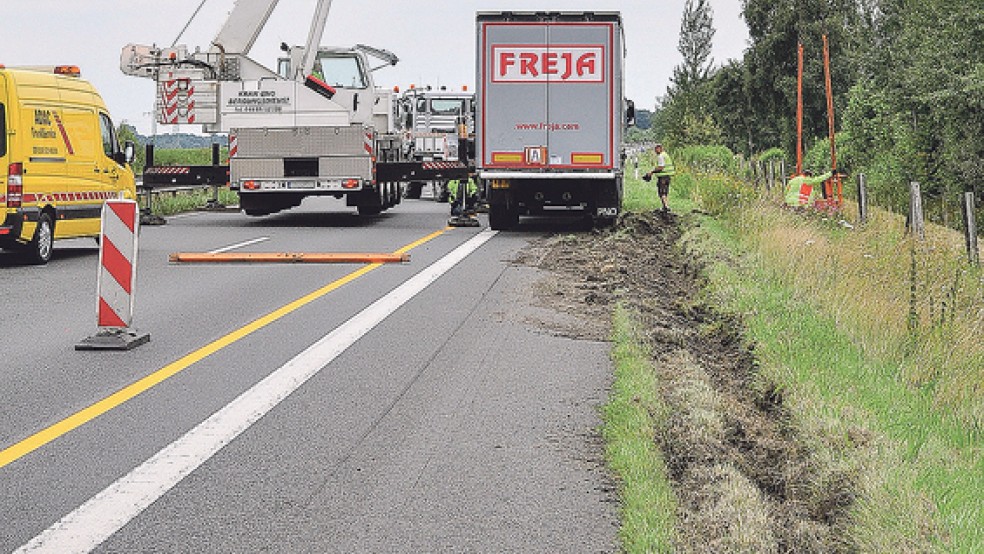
(908, 84)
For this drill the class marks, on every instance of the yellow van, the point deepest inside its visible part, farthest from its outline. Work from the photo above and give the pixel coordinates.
(60, 159)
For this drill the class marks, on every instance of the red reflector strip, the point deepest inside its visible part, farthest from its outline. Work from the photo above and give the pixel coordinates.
(116, 263)
(107, 317)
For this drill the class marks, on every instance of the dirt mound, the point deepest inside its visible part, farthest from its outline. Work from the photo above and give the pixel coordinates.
(744, 481)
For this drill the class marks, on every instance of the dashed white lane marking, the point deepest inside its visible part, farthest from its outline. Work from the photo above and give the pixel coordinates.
(108, 511)
(238, 245)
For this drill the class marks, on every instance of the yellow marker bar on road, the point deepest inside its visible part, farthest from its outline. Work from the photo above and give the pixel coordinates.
(290, 257)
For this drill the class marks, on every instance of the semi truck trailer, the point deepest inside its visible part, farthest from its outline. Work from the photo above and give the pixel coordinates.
(551, 114)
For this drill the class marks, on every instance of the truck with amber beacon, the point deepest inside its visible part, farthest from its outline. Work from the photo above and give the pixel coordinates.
(551, 114)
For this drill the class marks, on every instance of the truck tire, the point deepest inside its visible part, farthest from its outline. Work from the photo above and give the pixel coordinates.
(502, 217)
(42, 244)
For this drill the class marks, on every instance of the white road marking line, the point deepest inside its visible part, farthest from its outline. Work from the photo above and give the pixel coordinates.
(239, 245)
(107, 512)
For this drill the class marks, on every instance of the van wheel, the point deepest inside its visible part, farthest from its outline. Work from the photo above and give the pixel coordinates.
(40, 248)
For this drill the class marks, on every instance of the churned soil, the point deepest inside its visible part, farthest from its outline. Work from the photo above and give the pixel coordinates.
(743, 479)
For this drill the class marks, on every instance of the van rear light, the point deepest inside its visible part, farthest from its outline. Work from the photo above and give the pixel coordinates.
(15, 185)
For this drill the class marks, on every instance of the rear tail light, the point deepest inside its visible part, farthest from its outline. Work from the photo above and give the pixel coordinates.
(251, 185)
(15, 185)
(350, 184)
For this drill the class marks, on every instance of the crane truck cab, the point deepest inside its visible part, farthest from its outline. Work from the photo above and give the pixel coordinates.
(432, 120)
(60, 159)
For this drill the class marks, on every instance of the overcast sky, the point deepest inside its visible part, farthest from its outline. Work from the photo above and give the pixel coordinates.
(434, 39)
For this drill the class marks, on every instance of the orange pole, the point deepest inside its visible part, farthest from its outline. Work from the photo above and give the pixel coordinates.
(799, 110)
(830, 124)
(288, 257)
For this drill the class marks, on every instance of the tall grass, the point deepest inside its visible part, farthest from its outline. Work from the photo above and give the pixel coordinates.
(878, 340)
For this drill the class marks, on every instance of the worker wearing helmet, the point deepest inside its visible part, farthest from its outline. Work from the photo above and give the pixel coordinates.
(471, 194)
(663, 171)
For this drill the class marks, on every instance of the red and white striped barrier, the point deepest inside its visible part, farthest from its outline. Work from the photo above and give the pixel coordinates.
(117, 279)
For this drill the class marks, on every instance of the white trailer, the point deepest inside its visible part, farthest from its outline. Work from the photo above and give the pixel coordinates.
(550, 114)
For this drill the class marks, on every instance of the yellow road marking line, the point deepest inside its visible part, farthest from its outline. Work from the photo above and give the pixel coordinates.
(76, 420)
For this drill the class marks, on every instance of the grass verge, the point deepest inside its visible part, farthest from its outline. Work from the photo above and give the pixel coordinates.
(850, 324)
(874, 344)
(648, 505)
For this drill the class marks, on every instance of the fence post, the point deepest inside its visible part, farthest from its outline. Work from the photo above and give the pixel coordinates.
(916, 223)
(970, 225)
(863, 198)
(782, 174)
(771, 182)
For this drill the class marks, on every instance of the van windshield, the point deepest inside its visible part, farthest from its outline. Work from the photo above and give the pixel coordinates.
(3, 130)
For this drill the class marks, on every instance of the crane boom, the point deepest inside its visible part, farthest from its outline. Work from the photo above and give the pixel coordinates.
(314, 38)
(243, 25)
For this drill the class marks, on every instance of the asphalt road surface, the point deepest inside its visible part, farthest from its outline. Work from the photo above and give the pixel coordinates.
(412, 407)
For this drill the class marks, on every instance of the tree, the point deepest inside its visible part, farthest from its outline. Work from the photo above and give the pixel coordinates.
(696, 38)
(684, 114)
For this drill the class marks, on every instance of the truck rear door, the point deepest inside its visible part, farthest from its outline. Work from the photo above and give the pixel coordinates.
(578, 64)
(547, 94)
(513, 110)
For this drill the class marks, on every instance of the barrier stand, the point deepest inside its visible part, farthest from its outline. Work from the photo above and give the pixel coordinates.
(147, 216)
(117, 279)
(213, 204)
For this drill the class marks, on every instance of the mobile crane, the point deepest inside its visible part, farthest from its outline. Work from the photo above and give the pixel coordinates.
(315, 126)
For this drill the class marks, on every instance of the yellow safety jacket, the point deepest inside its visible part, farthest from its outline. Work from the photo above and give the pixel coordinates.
(799, 190)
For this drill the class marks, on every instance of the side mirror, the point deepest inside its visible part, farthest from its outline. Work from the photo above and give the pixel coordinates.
(630, 113)
(129, 151)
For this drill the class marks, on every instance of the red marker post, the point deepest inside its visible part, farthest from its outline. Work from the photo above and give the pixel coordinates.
(117, 279)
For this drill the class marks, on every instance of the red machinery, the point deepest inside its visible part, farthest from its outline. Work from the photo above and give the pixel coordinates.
(833, 188)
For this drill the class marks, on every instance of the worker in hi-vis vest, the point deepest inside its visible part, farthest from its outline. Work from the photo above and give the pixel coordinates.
(801, 188)
(471, 195)
(663, 171)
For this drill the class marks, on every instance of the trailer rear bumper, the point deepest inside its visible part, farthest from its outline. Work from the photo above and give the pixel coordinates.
(569, 176)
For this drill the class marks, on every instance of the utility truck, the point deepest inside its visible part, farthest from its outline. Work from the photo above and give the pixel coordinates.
(316, 125)
(550, 114)
(438, 128)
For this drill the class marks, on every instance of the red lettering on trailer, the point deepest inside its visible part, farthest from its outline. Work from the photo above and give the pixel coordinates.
(555, 63)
